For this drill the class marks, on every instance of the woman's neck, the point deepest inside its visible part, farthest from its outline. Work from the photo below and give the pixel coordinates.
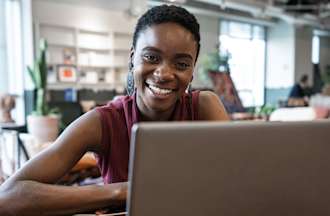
(156, 116)
(152, 115)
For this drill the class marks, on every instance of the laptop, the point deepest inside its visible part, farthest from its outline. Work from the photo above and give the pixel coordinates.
(233, 168)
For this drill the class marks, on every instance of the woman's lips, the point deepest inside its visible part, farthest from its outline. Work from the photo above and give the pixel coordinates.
(158, 91)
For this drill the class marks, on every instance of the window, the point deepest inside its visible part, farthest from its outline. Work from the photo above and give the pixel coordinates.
(316, 50)
(247, 46)
(11, 54)
(3, 74)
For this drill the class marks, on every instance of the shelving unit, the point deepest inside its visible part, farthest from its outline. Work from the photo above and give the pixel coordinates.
(78, 86)
(100, 58)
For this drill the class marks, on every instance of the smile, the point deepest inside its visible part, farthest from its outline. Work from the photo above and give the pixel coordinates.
(158, 90)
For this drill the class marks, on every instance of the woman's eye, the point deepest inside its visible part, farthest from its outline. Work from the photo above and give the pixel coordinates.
(151, 58)
(182, 65)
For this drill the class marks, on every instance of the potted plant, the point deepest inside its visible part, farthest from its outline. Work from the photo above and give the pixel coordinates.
(264, 112)
(215, 61)
(215, 66)
(43, 123)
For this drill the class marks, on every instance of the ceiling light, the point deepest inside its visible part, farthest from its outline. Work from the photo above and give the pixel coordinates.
(178, 1)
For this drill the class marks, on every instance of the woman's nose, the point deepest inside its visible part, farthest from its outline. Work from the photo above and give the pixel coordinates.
(164, 73)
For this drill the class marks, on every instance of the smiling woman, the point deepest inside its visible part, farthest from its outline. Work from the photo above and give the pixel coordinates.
(163, 55)
(163, 61)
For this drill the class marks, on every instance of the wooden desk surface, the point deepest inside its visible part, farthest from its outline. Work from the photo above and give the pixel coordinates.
(114, 214)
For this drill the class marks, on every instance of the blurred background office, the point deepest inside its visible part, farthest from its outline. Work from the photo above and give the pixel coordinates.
(253, 52)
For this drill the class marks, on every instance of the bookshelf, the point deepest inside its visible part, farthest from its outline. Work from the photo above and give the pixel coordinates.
(99, 58)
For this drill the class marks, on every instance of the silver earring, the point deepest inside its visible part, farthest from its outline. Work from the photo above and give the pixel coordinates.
(189, 89)
(130, 80)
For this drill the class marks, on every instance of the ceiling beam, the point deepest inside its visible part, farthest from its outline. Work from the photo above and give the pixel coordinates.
(267, 8)
(221, 14)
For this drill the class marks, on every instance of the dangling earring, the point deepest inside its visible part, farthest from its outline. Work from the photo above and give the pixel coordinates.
(190, 104)
(130, 80)
(189, 89)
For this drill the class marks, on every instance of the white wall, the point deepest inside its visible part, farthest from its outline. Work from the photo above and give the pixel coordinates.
(104, 4)
(324, 52)
(75, 15)
(209, 30)
(303, 53)
(280, 56)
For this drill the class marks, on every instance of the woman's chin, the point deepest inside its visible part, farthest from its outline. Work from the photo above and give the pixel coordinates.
(161, 107)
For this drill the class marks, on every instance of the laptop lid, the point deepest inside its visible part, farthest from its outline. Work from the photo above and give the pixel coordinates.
(205, 168)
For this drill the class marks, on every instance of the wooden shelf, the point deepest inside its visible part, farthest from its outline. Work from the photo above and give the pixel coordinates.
(88, 31)
(50, 45)
(103, 50)
(60, 86)
(86, 49)
(91, 50)
(102, 67)
(82, 67)
(93, 86)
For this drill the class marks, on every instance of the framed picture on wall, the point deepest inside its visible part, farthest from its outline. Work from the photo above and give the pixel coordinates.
(67, 73)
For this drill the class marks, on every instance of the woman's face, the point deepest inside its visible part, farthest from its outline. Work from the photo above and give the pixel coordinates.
(163, 63)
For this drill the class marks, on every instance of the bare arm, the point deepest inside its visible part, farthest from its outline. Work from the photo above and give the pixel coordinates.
(211, 108)
(29, 191)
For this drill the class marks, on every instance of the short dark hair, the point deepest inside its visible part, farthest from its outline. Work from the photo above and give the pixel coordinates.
(304, 78)
(168, 13)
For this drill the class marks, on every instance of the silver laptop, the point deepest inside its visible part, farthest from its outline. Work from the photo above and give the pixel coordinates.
(257, 169)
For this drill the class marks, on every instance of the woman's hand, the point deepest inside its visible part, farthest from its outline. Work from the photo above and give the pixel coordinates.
(119, 192)
(118, 201)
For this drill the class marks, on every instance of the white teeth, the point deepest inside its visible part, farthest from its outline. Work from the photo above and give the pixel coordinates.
(159, 90)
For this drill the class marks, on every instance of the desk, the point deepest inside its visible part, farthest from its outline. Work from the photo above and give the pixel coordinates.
(105, 212)
(114, 214)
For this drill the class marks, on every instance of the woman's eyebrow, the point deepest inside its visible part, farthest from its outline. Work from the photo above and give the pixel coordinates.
(183, 55)
(177, 55)
(148, 48)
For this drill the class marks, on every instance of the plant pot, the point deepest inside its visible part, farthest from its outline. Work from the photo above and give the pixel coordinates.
(43, 128)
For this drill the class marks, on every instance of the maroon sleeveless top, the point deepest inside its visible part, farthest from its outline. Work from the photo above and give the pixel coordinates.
(117, 119)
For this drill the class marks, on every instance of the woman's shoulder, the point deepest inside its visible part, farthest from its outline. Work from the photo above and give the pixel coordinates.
(207, 96)
(116, 104)
(206, 99)
(210, 106)
(203, 94)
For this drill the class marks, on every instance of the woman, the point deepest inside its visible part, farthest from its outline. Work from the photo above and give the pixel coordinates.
(163, 55)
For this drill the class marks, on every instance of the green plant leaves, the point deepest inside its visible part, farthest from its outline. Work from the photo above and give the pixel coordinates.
(32, 75)
(215, 61)
(38, 76)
